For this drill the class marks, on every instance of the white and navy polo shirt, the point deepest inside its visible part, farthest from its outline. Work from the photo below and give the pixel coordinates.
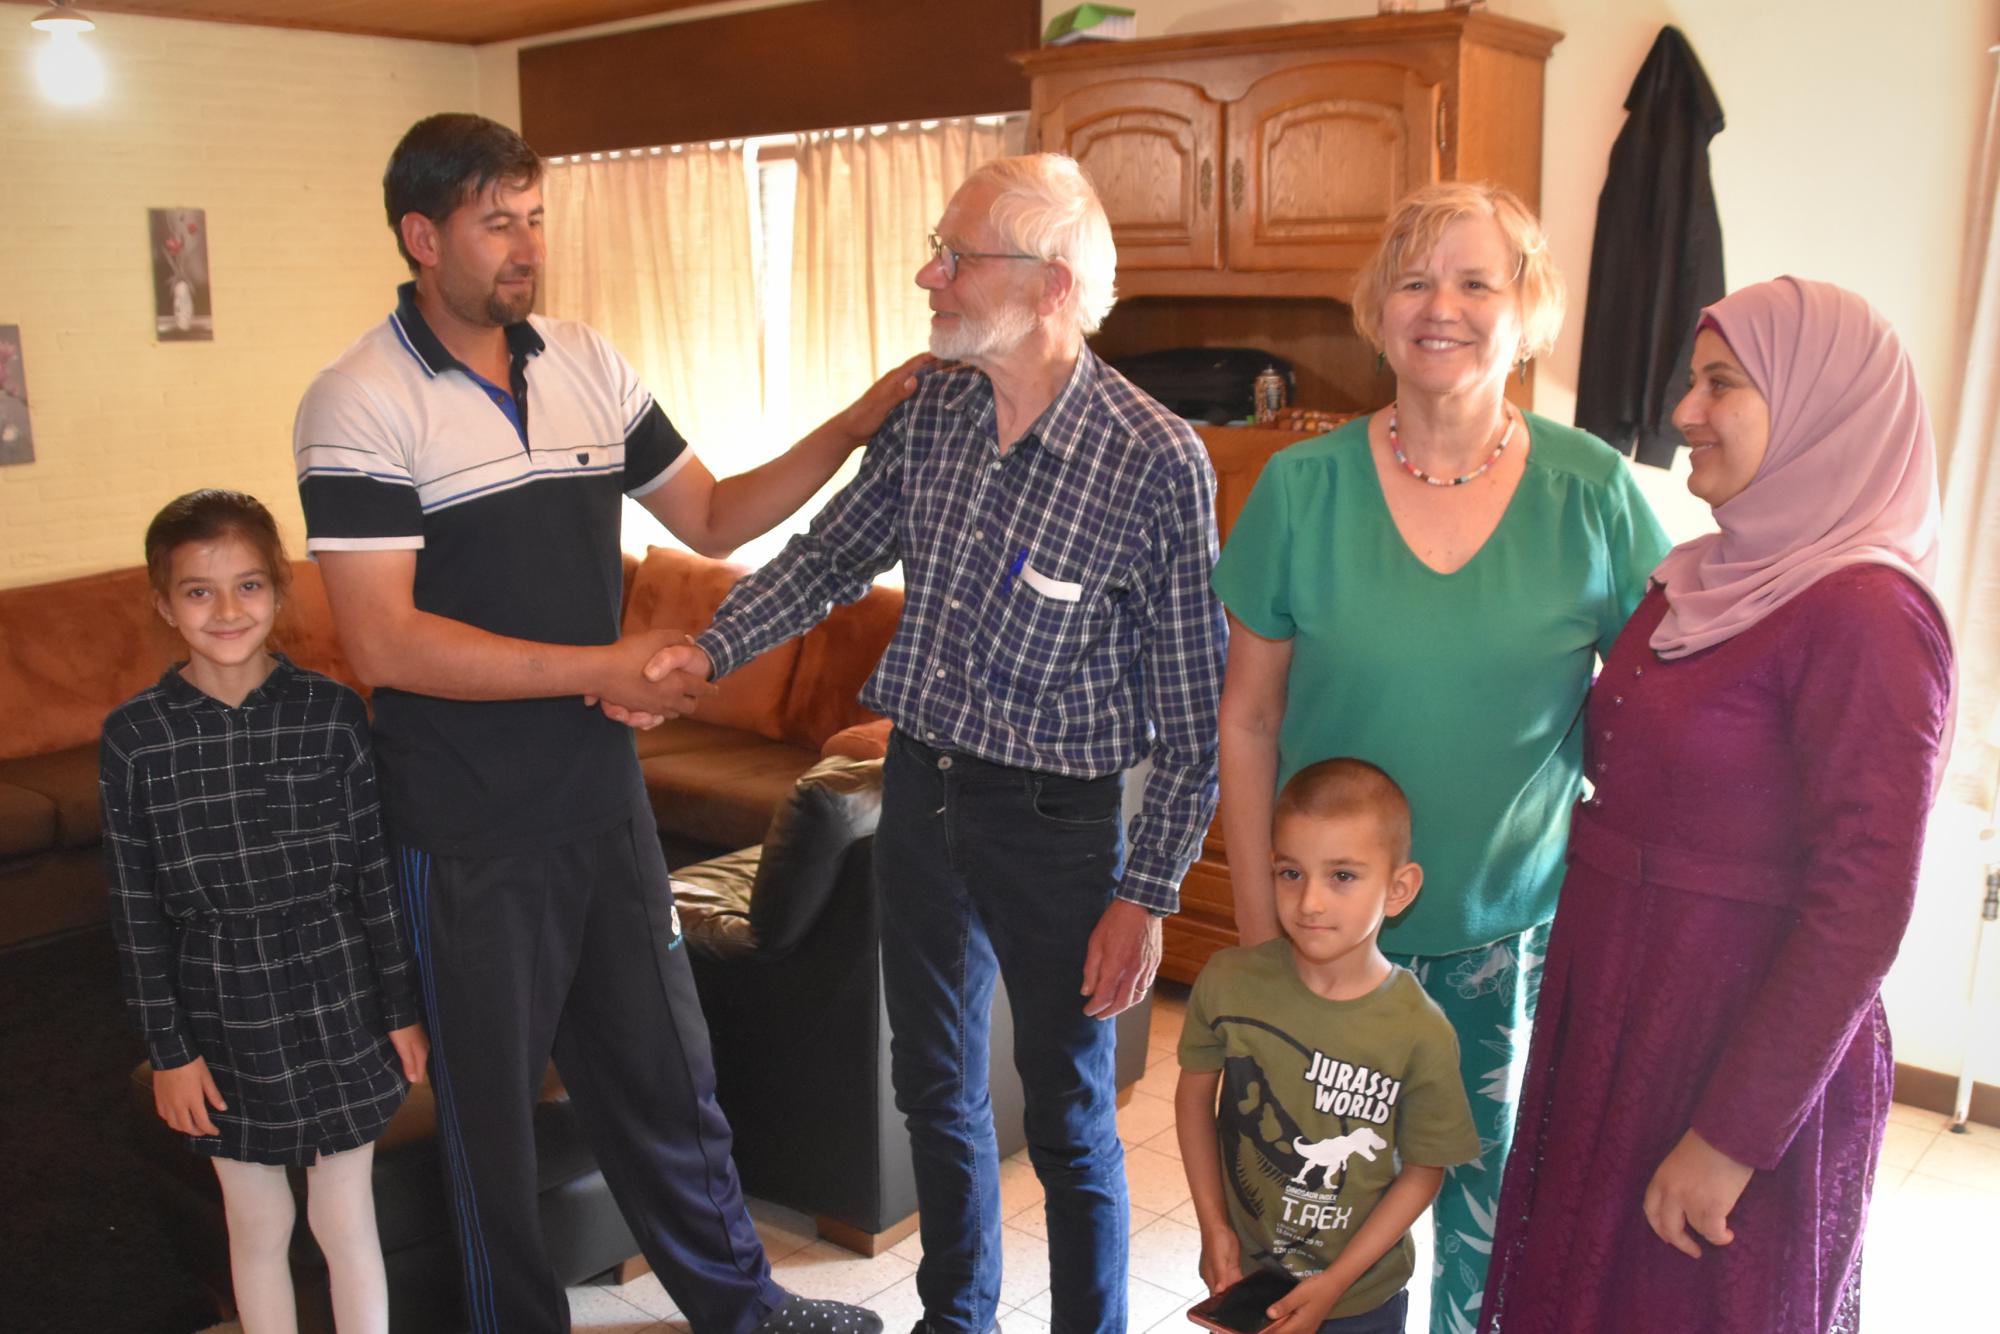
(509, 495)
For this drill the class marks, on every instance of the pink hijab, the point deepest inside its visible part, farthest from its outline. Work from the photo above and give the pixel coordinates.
(1850, 476)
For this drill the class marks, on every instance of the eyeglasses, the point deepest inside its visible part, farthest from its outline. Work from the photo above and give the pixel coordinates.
(948, 259)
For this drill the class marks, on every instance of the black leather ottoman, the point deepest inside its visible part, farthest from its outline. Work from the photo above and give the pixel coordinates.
(581, 1225)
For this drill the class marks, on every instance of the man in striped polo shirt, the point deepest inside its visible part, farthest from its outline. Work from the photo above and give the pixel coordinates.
(461, 468)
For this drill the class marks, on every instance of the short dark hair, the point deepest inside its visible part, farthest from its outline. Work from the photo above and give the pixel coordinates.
(206, 516)
(1345, 786)
(445, 160)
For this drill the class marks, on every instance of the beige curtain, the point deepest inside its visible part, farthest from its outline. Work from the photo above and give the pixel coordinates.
(653, 249)
(1970, 578)
(866, 201)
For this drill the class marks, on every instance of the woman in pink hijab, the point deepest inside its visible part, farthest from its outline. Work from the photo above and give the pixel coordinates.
(1710, 1071)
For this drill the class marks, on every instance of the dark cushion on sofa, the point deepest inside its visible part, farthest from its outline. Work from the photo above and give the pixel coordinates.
(68, 778)
(764, 900)
(27, 822)
(834, 804)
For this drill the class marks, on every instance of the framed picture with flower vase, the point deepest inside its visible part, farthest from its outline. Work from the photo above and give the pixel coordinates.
(179, 239)
(17, 434)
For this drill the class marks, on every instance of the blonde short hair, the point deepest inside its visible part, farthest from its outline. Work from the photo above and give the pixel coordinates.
(1043, 205)
(1420, 222)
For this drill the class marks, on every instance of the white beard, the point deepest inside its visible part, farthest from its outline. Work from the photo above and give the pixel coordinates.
(971, 340)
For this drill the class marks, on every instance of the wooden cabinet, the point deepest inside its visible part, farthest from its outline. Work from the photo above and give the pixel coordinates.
(1265, 162)
(1150, 146)
(1319, 155)
(1238, 455)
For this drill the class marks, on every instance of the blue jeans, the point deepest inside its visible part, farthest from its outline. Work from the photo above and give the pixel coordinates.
(986, 871)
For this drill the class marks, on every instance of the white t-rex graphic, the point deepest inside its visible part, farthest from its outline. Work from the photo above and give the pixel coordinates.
(1331, 1155)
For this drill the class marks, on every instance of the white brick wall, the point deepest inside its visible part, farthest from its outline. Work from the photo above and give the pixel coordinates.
(281, 136)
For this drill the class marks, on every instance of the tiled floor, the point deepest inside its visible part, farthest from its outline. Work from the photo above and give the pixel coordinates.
(1937, 1207)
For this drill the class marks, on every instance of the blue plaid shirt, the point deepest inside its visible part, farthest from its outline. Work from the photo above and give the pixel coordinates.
(1057, 612)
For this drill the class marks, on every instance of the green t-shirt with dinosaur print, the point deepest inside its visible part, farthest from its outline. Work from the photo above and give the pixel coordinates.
(1321, 1101)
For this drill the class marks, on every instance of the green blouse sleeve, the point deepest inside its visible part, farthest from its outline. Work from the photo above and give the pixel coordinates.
(1634, 545)
(1253, 576)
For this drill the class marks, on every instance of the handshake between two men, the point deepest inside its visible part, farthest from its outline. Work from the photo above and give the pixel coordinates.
(656, 675)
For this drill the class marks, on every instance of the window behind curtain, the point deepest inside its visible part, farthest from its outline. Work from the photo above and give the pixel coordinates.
(758, 286)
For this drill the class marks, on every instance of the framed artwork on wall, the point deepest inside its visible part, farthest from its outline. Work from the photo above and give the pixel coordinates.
(17, 435)
(181, 309)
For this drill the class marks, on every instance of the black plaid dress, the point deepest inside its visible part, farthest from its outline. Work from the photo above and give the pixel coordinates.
(254, 911)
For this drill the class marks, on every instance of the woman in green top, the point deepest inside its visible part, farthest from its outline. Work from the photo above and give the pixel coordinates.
(1428, 589)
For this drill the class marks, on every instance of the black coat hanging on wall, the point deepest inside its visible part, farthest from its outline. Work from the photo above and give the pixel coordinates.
(1657, 259)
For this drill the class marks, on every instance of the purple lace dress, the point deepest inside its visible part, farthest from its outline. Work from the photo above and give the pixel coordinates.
(1737, 888)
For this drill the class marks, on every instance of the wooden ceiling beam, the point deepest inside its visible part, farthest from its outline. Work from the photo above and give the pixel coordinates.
(464, 22)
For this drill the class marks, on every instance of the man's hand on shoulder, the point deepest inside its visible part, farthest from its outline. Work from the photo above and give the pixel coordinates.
(1124, 954)
(861, 419)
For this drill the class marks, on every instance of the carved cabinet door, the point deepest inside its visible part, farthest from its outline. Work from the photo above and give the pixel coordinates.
(1151, 147)
(1319, 154)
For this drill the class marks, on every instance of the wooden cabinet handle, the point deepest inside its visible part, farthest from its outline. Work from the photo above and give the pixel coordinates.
(1236, 183)
(1207, 182)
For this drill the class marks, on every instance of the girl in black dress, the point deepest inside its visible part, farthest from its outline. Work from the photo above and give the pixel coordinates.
(254, 912)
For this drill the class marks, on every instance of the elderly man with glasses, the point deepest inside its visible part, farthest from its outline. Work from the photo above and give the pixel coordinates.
(1056, 529)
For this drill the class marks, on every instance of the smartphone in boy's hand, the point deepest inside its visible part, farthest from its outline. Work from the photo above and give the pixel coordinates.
(1240, 1308)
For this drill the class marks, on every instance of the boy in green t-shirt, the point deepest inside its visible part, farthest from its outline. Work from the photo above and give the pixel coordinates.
(1341, 1103)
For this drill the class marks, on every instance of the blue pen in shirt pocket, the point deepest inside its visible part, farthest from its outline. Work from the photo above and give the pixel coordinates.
(1014, 568)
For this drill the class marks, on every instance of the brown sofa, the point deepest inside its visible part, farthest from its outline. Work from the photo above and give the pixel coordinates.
(72, 650)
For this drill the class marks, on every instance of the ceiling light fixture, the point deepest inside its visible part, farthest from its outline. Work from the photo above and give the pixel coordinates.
(59, 17)
(67, 68)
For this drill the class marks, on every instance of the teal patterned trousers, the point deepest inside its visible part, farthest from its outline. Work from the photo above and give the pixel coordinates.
(1489, 995)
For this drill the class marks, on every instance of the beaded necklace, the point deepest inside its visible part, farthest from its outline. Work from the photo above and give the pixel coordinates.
(1396, 448)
